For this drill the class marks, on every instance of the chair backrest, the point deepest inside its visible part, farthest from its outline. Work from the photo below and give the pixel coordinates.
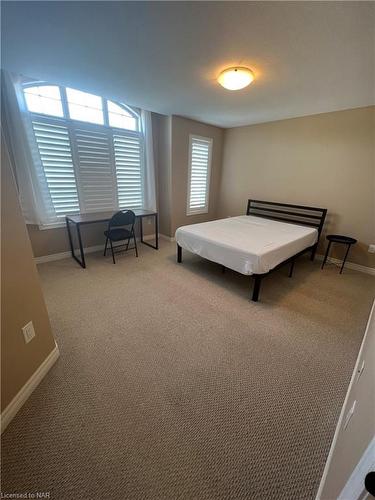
(122, 218)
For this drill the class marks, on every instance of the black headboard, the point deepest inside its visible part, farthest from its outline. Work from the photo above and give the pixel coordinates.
(284, 212)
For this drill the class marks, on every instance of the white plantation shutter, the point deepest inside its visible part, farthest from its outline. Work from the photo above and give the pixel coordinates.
(89, 168)
(53, 143)
(94, 168)
(128, 160)
(199, 174)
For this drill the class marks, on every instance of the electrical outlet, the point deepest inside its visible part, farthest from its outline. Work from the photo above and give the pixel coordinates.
(371, 248)
(28, 332)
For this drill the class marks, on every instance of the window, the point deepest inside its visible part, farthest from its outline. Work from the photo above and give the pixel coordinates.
(45, 99)
(85, 107)
(120, 117)
(91, 149)
(199, 175)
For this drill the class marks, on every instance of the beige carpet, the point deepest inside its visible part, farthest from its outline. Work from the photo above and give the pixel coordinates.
(173, 385)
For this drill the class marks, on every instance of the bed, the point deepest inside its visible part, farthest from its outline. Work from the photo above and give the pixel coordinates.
(270, 235)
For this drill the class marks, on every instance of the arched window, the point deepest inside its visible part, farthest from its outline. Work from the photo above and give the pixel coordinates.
(82, 106)
(91, 149)
(45, 99)
(121, 116)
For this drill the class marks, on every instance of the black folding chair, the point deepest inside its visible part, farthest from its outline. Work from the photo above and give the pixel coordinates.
(120, 228)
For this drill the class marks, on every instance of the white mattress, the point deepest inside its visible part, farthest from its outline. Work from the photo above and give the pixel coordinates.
(247, 244)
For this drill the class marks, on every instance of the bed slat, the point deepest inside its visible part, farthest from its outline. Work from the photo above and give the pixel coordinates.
(302, 214)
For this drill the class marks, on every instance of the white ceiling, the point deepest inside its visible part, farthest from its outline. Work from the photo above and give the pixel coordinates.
(308, 57)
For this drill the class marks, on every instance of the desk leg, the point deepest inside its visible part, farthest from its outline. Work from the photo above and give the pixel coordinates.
(141, 228)
(70, 237)
(157, 231)
(82, 261)
(156, 246)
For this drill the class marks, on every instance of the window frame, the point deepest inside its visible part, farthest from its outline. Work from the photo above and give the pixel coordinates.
(135, 112)
(71, 124)
(205, 209)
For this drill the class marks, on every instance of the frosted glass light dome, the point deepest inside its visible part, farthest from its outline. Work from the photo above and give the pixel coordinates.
(236, 78)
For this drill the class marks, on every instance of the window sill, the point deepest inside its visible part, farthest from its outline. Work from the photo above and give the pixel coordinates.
(197, 212)
(56, 225)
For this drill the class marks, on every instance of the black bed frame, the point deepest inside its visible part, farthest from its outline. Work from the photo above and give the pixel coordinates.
(284, 212)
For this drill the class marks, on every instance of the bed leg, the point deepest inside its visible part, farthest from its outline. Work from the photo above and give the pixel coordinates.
(179, 254)
(223, 269)
(256, 288)
(291, 268)
(313, 252)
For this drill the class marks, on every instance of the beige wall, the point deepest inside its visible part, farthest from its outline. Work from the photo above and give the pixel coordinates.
(325, 160)
(164, 127)
(21, 295)
(181, 129)
(50, 241)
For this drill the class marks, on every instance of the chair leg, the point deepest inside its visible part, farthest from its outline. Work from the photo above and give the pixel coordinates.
(135, 244)
(113, 253)
(127, 245)
(105, 248)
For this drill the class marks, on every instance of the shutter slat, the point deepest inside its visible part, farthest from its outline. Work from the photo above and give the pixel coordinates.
(199, 174)
(128, 160)
(55, 154)
(95, 167)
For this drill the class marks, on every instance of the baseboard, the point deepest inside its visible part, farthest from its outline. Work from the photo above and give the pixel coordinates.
(349, 265)
(66, 255)
(148, 237)
(165, 237)
(23, 395)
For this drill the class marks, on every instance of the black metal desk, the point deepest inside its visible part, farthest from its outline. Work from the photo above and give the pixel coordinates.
(97, 217)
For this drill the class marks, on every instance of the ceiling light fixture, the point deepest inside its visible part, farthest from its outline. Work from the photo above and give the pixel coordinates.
(236, 78)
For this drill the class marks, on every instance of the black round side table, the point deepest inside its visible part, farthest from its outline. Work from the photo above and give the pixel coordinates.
(337, 238)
